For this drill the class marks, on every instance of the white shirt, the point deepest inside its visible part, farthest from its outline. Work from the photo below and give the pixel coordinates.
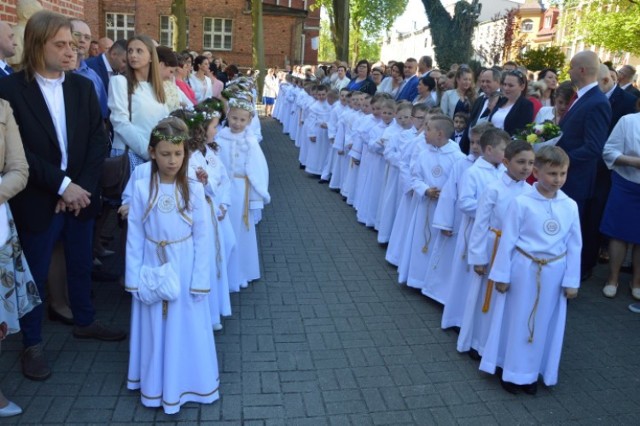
(624, 140)
(54, 97)
(500, 115)
(107, 65)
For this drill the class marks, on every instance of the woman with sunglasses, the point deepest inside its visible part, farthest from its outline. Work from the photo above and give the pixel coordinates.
(513, 110)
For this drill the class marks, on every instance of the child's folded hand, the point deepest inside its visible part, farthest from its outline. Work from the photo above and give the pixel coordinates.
(197, 297)
(571, 293)
(480, 269)
(502, 287)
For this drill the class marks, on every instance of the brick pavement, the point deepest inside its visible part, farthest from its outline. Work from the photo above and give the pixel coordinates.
(328, 338)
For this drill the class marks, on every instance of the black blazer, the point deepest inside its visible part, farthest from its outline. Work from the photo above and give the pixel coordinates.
(33, 208)
(519, 116)
(474, 115)
(622, 103)
(97, 64)
(633, 90)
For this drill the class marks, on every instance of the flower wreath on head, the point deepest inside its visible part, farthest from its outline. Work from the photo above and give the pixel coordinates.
(197, 118)
(177, 139)
(241, 103)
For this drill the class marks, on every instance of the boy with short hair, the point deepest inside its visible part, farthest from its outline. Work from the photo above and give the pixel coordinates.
(484, 241)
(537, 267)
(360, 129)
(485, 170)
(337, 137)
(428, 176)
(447, 218)
(317, 140)
(335, 102)
(460, 121)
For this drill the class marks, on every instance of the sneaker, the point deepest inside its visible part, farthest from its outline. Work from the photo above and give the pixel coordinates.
(635, 308)
(99, 331)
(34, 363)
(610, 290)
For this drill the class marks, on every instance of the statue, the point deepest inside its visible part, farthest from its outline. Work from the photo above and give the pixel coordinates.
(24, 9)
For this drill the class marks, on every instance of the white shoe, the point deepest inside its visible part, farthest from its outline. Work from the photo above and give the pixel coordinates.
(244, 284)
(610, 290)
(10, 410)
(635, 293)
(217, 327)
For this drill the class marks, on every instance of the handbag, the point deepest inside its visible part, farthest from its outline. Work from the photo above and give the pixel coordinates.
(116, 172)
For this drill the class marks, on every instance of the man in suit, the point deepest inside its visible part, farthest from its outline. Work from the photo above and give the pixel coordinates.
(110, 63)
(626, 76)
(585, 128)
(65, 144)
(489, 81)
(410, 89)
(7, 48)
(82, 34)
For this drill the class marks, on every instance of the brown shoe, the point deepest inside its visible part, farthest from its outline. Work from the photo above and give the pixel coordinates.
(34, 363)
(99, 331)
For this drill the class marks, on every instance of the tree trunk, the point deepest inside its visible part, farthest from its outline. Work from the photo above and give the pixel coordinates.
(340, 29)
(179, 16)
(452, 36)
(258, 42)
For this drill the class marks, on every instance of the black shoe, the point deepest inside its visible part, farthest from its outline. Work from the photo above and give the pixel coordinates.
(509, 387)
(322, 181)
(34, 363)
(531, 388)
(474, 355)
(56, 316)
(99, 331)
(302, 166)
(103, 276)
(586, 274)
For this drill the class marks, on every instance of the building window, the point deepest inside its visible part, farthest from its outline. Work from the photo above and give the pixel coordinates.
(167, 28)
(217, 34)
(547, 21)
(527, 26)
(120, 26)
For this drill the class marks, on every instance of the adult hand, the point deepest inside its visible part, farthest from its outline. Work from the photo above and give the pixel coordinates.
(61, 206)
(76, 197)
(4, 329)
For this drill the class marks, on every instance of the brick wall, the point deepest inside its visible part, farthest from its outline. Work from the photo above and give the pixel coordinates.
(66, 7)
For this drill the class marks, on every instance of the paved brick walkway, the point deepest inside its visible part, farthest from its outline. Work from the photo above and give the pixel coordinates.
(327, 337)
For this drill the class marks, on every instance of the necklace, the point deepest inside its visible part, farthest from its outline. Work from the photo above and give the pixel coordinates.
(166, 203)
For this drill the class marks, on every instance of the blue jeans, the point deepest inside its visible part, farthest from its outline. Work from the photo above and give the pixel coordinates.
(77, 237)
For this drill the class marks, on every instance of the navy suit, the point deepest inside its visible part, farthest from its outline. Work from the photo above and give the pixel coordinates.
(97, 64)
(409, 90)
(622, 103)
(585, 128)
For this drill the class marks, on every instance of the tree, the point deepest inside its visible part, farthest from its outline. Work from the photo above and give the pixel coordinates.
(539, 59)
(258, 41)
(326, 49)
(452, 35)
(612, 24)
(362, 20)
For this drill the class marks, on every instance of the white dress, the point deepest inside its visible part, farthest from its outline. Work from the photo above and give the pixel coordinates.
(527, 343)
(492, 208)
(447, 217)
(249, 175)
(317, 151)
(473, 183)
(332, 127)
(341, 163)
(172, 357)
(203, 89)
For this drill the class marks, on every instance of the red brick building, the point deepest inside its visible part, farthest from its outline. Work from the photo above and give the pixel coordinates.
(222, 26)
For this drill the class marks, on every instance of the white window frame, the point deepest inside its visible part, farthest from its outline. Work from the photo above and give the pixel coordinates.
(168, 31)
(527, 26)
(119, 32)
(209, 36)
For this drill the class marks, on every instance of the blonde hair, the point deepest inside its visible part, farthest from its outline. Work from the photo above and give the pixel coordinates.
(154, 69)
(551, 156)
(40, 28)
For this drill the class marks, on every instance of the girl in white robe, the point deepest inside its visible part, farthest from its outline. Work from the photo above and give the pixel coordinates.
(538, 266)
(172, 357)
(249, 175)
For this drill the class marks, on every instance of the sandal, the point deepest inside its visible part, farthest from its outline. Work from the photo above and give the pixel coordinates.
(610, 290)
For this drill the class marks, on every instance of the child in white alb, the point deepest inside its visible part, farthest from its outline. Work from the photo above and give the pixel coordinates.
(537, 268)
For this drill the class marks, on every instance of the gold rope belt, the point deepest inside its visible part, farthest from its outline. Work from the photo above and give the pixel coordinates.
(161, 247)
(216, 232)
(540, 262)
(245, 210)
(427, 229)
(490, 283)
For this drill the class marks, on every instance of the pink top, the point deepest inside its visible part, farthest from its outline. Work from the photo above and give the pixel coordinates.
(187, 90)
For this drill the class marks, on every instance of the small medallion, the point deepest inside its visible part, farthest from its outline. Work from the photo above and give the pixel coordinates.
(551, 227)
(436, 172)
(166, 204)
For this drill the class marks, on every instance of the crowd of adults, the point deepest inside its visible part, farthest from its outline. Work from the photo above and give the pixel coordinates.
(586, 106)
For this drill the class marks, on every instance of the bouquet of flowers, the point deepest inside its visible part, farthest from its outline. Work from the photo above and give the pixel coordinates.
(539, 135)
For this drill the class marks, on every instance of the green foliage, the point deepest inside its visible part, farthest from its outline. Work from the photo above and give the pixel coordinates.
(612, 24)
(541, 58)
(367, 20)
(326, 50)
(452, 36)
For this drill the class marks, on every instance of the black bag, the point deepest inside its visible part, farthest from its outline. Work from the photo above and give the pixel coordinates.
(116, 172)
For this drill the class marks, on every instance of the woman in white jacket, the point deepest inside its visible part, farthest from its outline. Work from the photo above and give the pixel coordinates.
(462, 96)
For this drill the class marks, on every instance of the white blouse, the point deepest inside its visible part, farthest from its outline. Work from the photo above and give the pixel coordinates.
(202, 89)
(500, 115)
(624, 140)
(146, 111)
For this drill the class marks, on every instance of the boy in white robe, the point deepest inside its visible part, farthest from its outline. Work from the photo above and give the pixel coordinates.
(317, 143)
(447, 218)
(428, 176)
(333, 98)
(537, 267)
(335, 131)
(390, 195)
(485, 170)
(348, 121)
(356, 148)
(304, 104)
(484, 242)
